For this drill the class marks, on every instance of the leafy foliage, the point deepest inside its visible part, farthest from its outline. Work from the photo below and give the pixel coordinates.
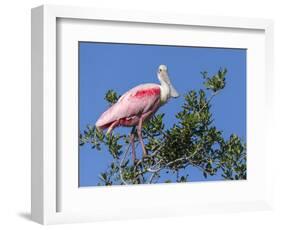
(216, 82)
(111, 97)
(193, 141)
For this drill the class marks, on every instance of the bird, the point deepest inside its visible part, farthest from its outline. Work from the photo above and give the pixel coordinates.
(138, 105)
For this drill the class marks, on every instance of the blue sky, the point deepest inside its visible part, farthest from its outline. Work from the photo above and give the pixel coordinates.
(104, 66)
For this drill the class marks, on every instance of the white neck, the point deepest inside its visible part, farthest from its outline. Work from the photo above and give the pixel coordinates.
(164, 91)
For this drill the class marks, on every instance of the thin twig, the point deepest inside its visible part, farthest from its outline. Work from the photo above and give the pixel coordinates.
(152, 177)
(198, 167)
(208, 102)
(122, 163)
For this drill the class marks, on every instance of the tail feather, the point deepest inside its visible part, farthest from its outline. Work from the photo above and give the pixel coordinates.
(106, 119)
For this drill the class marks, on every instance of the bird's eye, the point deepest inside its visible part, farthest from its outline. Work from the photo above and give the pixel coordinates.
(160, 70)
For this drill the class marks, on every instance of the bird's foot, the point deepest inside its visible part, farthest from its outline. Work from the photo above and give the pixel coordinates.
(144, 153)
(146, 158)
(136, 162)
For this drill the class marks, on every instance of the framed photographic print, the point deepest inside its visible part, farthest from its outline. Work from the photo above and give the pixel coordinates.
(140, 114)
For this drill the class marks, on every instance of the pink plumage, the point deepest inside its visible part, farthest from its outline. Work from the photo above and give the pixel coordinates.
(137, 105)
(130, 107)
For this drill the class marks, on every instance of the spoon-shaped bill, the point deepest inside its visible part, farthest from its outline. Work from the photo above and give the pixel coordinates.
(174, 93)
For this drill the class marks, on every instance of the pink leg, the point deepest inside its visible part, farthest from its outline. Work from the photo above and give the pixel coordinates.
(139, 127)
(132, 140)
(112, 126)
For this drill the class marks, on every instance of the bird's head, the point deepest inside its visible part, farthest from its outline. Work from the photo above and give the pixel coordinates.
(162, 68)
(163, 77)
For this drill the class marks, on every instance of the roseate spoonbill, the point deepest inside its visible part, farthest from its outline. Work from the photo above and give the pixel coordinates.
(138, 105)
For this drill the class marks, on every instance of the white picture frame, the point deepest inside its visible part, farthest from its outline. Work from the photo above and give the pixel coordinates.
(55, 199)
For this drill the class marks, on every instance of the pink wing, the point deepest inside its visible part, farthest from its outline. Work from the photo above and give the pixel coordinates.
(137, 101)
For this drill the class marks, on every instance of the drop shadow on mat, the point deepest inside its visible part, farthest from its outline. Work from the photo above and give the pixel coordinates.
(25, 215)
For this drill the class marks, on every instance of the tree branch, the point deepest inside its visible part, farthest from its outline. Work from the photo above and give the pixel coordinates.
(156, 171)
